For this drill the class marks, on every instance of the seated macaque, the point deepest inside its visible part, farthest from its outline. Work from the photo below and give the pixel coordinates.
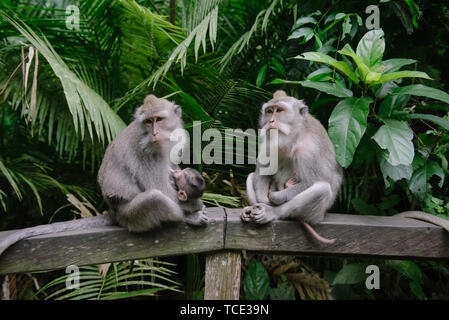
(190, 186)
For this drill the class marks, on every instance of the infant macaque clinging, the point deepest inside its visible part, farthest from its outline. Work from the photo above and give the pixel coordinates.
(190, 186)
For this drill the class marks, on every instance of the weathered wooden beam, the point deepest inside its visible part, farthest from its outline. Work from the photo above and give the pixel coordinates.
(370, 236)
(110, 244)
(223, 276)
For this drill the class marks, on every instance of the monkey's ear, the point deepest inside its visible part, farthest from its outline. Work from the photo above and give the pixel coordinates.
(137, 112)
(182, 195)
(302, 108)
(178, 111)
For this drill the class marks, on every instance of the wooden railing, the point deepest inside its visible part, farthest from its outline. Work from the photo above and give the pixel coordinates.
(224, 239)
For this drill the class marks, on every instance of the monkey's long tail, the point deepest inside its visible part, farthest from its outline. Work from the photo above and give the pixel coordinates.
(443, 223)
(79, 224)
(316, 235)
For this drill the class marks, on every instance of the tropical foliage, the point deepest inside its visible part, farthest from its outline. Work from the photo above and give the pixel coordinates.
(72, 73)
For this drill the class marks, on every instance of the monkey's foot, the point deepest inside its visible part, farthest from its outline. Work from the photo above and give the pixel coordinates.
(261, 213)
(197, 219)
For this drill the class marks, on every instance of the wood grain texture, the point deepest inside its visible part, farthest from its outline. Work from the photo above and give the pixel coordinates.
(370, 236)
(110, 244)
(223, 276)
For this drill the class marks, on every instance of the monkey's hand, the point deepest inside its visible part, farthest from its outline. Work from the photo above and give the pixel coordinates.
(245, 214)
(262, 213)
(291, 182)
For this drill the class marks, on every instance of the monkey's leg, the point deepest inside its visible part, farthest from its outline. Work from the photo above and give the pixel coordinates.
(309, 206)
(148, 210)
(79, 224)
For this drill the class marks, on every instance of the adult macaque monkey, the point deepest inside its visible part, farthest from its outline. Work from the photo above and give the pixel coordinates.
(308, 177)
(134, 177)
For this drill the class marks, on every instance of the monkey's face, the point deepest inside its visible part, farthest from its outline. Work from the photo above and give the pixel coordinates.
(158, 118)
(282, 115)
(189, 183)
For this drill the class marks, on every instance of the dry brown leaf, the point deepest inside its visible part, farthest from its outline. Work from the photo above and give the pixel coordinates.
(103, 269)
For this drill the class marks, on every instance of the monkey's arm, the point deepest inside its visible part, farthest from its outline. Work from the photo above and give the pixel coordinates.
(85, 223)
(285, 195)
(261, 187)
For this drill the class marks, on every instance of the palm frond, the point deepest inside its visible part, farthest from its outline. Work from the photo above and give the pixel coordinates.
(260, 24)
(24, 174)
(203, 19)
(220, 200)
(148, 278)
(88, 109)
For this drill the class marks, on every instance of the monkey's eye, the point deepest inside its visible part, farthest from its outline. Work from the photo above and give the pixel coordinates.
(279, 110)
(147, 121)
(269, 111)
(159, 119)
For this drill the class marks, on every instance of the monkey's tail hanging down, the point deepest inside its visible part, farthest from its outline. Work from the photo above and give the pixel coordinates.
(79, 224)
(443, 223)
(316, 235)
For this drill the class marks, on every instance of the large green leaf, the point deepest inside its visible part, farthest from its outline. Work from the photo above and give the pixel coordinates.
(301, 32)
(284, 291)
(395, 172)
(329, 88)
(402, 74)
(347, 125)
(326, 87)
(396, 137)
(423, 91)
(324, 58)
(371, 47)
(320, 74)
(392, 65)
(390, 103)
(363, 68)
(304, 20)
(407, 268)
(257, 282)
(430, 117)
(418, 183)
(350, 274)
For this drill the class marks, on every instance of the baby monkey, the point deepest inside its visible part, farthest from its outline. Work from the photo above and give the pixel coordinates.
(190, 185)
